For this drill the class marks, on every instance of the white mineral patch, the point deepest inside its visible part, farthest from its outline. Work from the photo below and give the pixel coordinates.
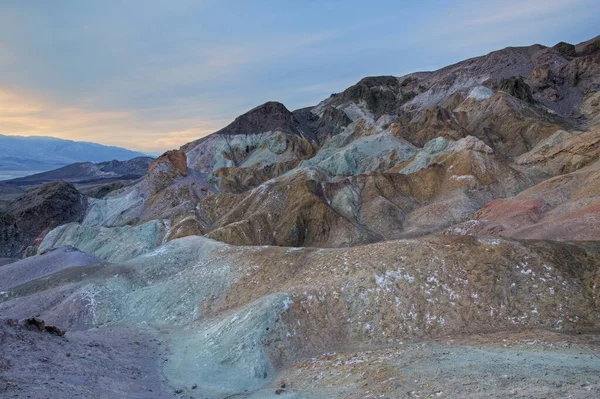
(481, 93)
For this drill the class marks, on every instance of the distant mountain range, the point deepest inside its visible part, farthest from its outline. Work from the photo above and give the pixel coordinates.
(92, 179)
(22, 156)
(87, 171)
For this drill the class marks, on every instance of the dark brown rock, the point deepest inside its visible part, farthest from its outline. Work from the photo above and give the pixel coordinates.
(590, 47)
(516, 87)
(320, 128)
(335, 117)
(26, 220)
(379, 94)
(35, 323)
(270, 116)
(55, 330)
(566, 49)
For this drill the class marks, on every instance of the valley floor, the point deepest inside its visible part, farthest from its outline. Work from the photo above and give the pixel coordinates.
(532, 364)
(109, 363)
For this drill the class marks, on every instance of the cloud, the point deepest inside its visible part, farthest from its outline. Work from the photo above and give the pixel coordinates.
(517, 11)
(30, 116)
(178, 137)
(477, 25)
(27, 116)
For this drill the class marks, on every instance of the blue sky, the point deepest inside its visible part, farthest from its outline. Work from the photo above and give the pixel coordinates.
(152, 75)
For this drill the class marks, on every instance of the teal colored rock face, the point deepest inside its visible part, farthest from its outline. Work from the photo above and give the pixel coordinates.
(439, 146)
(425, 156)
(116, 210)
(344, 155)
(227, 356)
(115, 244)
(242, 150)
(481, 93)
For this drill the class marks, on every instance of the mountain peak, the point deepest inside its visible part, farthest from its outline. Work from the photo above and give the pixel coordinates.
(269, 116)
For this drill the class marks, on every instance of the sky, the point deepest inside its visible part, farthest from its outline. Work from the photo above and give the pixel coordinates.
(152, 75)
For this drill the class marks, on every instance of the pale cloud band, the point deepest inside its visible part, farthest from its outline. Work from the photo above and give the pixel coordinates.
(24, 116)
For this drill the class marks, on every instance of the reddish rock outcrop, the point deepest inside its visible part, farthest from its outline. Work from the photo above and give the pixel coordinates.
(166, 169)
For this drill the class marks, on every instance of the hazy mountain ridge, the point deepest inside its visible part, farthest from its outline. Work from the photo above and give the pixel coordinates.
(82, 171)
(21, 156)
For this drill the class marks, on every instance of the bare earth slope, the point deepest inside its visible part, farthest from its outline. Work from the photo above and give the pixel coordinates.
(234, 317)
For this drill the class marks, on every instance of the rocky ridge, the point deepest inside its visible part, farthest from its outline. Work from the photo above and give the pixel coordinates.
(509, 106)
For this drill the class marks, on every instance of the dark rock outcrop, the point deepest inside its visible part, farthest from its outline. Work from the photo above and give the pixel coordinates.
(270, 116)
(379, 94)
(37, 324)
(516, 87)
(566, 49)
(55, 330)
(319, 129)
(25, 221)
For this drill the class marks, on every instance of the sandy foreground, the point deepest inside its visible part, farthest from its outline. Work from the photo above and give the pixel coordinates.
(122, 362)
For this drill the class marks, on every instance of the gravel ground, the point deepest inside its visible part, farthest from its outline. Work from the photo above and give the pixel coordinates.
(35, 267)
(7, 261)
(102, 363)
(519, 365)
(127, 363)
